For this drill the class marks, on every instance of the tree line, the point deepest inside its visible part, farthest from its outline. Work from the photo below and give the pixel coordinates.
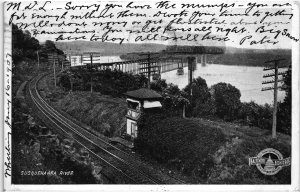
(107, 82)
(27, 50)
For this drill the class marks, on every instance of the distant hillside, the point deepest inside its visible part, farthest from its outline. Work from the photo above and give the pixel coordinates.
(244, 50)
(251, 57)
(78, 47)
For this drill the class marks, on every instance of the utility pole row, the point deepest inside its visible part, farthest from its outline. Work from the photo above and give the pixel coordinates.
(53, 58)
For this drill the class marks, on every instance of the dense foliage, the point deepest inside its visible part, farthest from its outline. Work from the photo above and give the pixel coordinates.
(201, 103)
(26, 51)
(227, 100)
(223, 101)
(284, 115)
(252, 114)
(49, 47)
(108, 82)
(174, 99)
(23, 45)
(179, 142)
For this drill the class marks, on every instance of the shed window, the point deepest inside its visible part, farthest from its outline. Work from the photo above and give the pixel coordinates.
(133, 105)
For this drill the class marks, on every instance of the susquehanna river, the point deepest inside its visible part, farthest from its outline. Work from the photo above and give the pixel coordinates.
(247, 79)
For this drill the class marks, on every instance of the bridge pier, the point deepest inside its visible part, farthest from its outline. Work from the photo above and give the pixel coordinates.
(191, 61)
(203, 59)
(180, 70)
(132, 67)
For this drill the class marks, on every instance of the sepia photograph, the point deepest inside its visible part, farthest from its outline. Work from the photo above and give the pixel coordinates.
(184, 94)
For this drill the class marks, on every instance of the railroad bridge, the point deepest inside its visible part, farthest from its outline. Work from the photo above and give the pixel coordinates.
(151, 64)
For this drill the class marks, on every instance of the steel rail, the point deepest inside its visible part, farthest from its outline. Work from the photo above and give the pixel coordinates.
(86, 138)
(54, 114)
(40, 107)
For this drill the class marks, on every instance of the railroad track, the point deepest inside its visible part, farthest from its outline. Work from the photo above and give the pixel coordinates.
(121, 164)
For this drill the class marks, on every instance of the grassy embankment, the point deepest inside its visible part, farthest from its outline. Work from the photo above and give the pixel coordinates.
(102, 113)
(214, 151)
(231, 159)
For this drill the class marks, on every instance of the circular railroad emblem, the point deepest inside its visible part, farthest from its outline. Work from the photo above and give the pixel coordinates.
(269, 161)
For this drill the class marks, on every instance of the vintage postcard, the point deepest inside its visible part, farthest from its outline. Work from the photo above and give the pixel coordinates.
(151, 95)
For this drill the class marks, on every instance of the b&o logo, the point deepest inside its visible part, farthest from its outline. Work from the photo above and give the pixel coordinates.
(269, 161)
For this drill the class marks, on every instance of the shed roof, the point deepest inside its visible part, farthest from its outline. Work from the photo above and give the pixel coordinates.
(143, 93)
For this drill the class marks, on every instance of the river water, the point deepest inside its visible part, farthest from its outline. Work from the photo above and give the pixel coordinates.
(247, 79)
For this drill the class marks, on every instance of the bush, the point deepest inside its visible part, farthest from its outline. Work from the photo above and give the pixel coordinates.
(205, 109)
(198, 94)
(256, 115)
(284, 118)
(199, 90)
(65, 82)
(227, 100)
(284, 115)
(159, 85)
(179, 143)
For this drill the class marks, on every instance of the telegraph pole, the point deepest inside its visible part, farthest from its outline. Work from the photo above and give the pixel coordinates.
(190, 69)
(38, 60)
(275, 81)
(274, 124)
(52, 58)
(149, 70)
(54, 73)
(91, 56)
(70, 56)
(90, 67)
(71, 80)
(91, 83)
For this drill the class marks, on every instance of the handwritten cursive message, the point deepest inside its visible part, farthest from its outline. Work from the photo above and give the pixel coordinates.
(7, 163)
(236, 24)
(7, 121)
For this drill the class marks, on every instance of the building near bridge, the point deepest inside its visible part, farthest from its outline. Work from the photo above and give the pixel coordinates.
(140, 101)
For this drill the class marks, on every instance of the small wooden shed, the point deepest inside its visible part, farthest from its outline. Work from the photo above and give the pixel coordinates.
(138, 102)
